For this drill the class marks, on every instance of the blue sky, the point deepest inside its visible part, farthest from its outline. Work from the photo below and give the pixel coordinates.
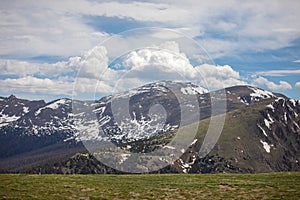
(48, 48)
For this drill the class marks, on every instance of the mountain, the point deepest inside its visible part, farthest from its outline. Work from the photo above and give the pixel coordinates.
(13, 108)
(260, 137)
(143, 112)
(261, 131)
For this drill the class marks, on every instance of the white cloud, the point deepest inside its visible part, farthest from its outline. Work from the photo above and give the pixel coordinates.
(64, 28)
(231, 28)
(297, 85)
(88, 85)
(24, 68)
(167, 62)
(140, 11)
(217, 77)
(13, 67)
(159, 57)
(33, 29)
(283, 85)
(61, 28)
(284, 72)
(91, 64)
(58, 78)
(35, 85)
(296, 61)
(162, 62)
(46, 87)
(153, 64)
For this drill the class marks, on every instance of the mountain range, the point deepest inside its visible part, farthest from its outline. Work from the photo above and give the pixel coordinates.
(261, 132)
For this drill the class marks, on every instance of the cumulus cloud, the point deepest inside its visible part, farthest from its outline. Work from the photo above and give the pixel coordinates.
(283, 85)
(146, 57)
(92, 64)
(167, 62)
(297, 85)
(217, 77)
(152, 64)
(162, 62)
(141, 66)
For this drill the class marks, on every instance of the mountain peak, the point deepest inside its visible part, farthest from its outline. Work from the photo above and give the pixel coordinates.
(186, 88)
(12, 97)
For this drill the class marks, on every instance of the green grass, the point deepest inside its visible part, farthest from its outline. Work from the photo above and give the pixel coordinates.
(167, 186)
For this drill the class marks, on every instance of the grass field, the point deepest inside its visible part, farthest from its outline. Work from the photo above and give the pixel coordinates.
(167, 186)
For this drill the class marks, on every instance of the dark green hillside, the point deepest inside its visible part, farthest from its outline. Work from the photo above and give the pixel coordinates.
(241, 141)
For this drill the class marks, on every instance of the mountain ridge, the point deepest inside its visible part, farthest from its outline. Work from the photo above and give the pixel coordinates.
(275, 124)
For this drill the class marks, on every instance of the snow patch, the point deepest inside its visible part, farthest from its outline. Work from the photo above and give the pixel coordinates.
(100, 110)
(187, 166)
(169, 147)
(158, 86)
(25, 109)
(242, 100)
(285, 117)
(279, 98)
(124, 157)
(266, 146)
(271, 106)
(260, 94)
(52, 106)
(296, 125)
(193, 90)
(5, 119)
(293, 101)
(267, 123)
(194, 142)
(264, 132)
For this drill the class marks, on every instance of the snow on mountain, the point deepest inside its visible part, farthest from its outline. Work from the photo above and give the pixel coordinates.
(38, 117)
(134, 120)
(12, 109)
(281, 115)
(192, 89)
(249, 94)
(6, 119)
(53, 105)
(266, 146)
(272, 119)
(259, 94)
(164, 87)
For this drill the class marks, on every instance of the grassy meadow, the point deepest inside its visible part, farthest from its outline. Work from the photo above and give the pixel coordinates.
(160, 186)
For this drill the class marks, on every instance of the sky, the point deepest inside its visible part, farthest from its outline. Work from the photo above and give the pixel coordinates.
(88, 48)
